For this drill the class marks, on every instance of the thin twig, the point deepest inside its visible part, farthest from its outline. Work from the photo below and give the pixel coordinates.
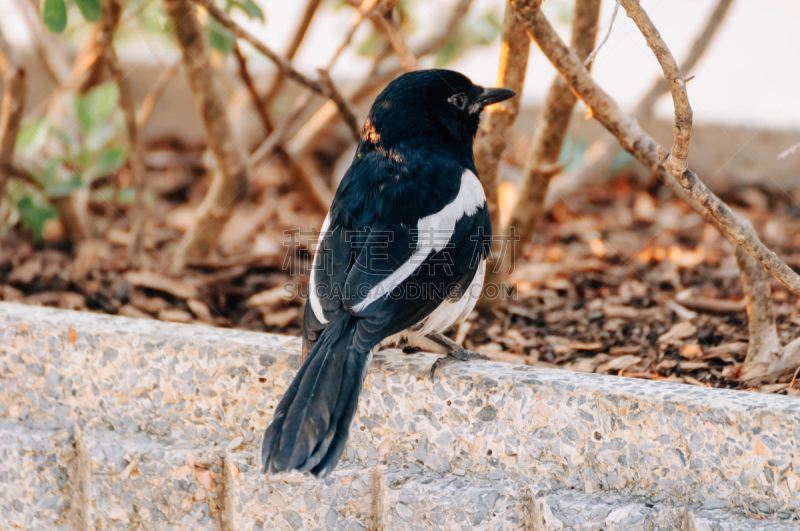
(600, 154)
(136, 155)
(696, 51)
(149, 101)
(247, 79)
(294, 45)
(786, 152)
(590, 59)
(407, 59)
(285, 66)
(382, 71)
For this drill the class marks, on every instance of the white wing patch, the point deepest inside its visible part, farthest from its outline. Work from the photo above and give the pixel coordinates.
(450, 313)
(434, 232)
(313, 296)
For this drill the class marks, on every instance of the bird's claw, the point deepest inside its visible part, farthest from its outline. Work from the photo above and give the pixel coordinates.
(457, 355)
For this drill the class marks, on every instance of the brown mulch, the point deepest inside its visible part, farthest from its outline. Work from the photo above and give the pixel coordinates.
(620, 279)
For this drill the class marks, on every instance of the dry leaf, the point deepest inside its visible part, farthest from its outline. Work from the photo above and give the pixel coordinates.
(691, 351)
(152, 280)
(678, 332)
(200, 310)
(26, 272)
(280, 319)
(269, 297)
(620, 363)
(175, 315)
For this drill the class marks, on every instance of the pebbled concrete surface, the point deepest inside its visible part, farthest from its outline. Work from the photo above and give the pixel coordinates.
(160, 391)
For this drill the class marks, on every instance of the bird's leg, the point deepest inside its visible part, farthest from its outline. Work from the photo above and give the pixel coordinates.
(455, 352)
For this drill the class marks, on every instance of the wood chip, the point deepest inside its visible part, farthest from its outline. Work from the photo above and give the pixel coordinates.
(625, 349)
(577, 345)
(156, 281)
(719, 306)
(693, 365)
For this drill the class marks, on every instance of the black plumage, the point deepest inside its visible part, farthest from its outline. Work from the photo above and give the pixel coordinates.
(401, 252)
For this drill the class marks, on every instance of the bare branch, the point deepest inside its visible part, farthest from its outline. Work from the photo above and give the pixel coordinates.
(786, 152)
(601, 153)
(491, 141)
(98, 41)
(763, 342)
(229, 179)
(644, 148)
(247, 79)
(548, 137)
(297, 39)
(676, 164)
(13, 103)
(320, 87)
(136, 155)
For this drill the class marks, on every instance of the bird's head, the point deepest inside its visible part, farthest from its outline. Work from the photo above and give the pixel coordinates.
(429, 106)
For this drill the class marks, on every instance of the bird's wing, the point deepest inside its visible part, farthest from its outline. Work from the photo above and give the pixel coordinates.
(332, 260)
(403, 273)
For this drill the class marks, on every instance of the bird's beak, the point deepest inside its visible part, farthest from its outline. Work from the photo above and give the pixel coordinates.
(490, 96)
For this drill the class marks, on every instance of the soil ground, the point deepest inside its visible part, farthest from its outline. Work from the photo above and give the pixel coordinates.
(619, 279)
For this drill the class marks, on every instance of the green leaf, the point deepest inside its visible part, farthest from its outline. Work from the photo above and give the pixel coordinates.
(249, 8)
(220, 38)
(90, 9)
(54, 15)
(101, 101)
(32, 137)
(82, 115)
(34, 214)
(111, 160)
(65, 188)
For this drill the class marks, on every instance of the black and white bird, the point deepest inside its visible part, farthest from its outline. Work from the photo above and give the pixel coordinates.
(401, 254)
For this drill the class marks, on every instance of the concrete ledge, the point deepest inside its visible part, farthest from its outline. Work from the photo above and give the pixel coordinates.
(524, 433)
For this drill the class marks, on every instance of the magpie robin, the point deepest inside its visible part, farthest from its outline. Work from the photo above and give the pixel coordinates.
(401, 254)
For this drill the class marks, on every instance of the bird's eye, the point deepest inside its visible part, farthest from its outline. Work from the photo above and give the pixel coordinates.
(459, 100)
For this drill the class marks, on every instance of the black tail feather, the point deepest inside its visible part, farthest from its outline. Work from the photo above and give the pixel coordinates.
(312, 420)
